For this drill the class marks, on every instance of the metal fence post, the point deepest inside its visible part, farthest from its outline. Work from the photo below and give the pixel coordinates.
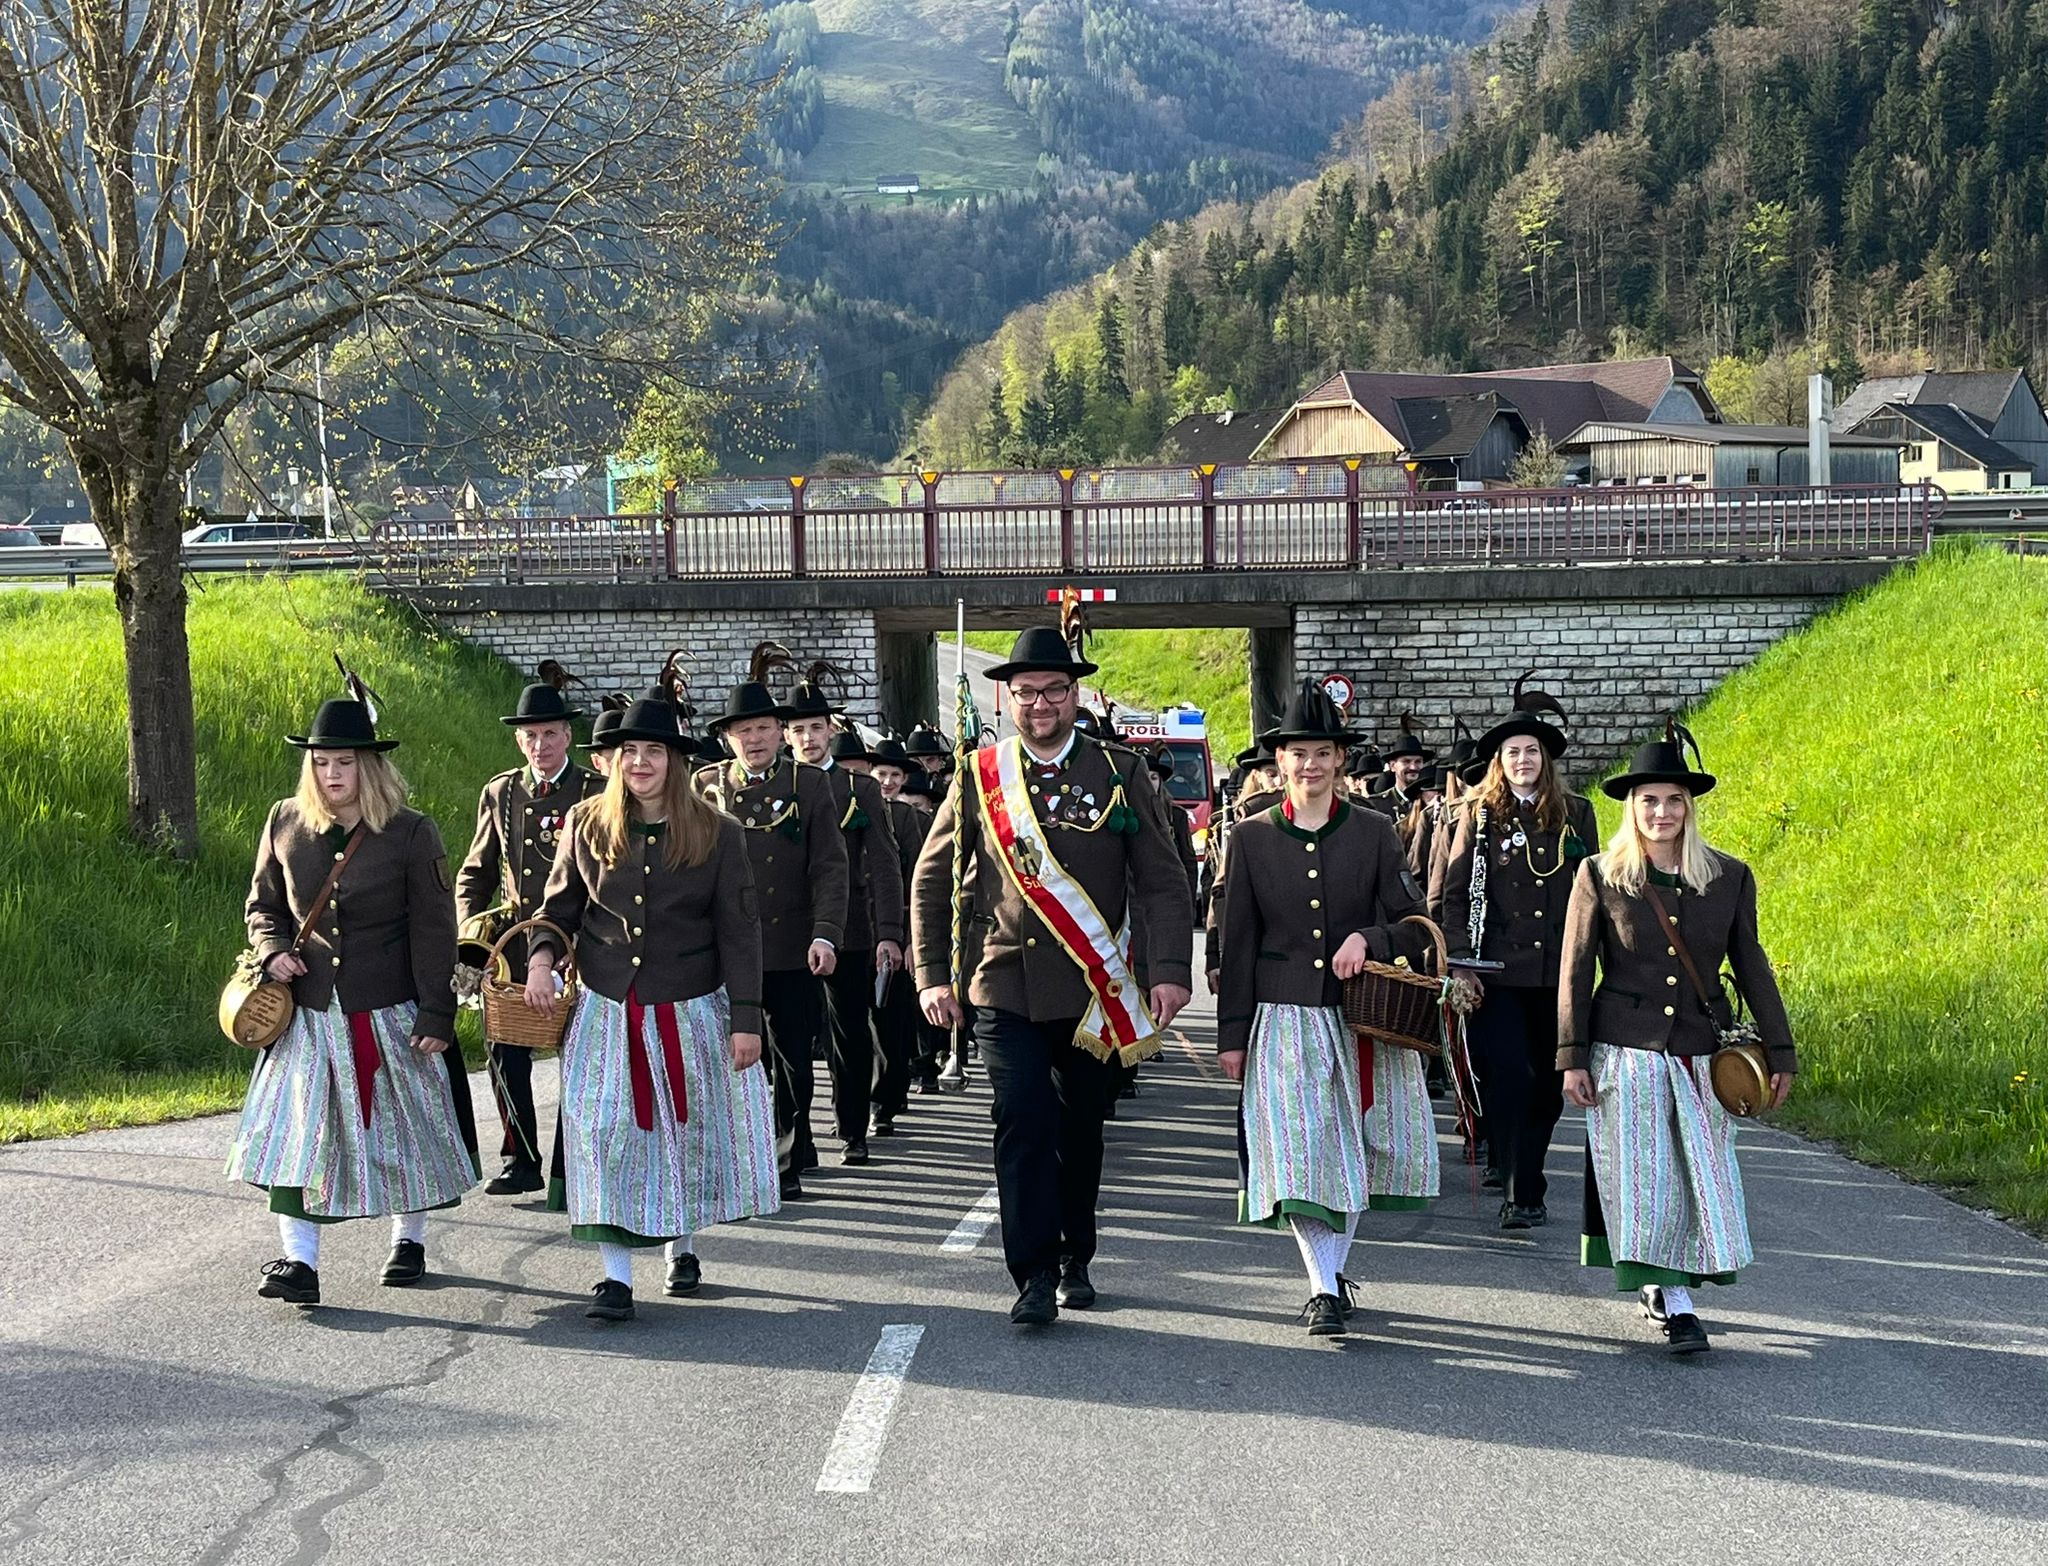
(1354, 520)
(515, 568)
(796, 525)
(668, 528)
(930, 479)
(1066, 519)
(1205, 482)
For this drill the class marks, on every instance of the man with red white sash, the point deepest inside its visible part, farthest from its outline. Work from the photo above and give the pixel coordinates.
(1063, 838)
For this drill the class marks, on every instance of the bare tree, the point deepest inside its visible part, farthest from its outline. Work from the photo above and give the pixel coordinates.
(196, 193)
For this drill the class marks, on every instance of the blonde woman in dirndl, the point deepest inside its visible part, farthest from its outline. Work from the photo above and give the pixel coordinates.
(1664, 1205)
(361, 1108)
(1330, 1125)
(668, 1124)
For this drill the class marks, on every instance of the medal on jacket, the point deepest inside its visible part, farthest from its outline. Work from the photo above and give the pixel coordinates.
(549, 826)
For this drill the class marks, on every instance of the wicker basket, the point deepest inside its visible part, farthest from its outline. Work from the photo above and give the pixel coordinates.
(1399, 1005)
(507, 1017)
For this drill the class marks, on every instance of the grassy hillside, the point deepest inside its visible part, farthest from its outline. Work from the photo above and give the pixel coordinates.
(110, 960)
(1882, 773)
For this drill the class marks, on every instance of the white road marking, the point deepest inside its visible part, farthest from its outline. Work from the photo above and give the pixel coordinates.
(857, 1444)
(968, 1232)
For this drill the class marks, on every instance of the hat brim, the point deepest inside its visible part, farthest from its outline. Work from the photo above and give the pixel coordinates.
(1552, 737)
(1009, 671)
(1273, 739)
(724, 721)
(328, 742)
(516, 722)
(1694, 783)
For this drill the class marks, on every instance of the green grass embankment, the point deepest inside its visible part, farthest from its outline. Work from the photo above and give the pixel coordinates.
(111, 959)
(1883, 772)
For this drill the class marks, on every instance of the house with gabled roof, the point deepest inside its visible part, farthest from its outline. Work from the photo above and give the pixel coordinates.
(1966, 430)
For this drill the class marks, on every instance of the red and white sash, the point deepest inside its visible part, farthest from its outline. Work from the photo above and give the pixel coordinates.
(1118, 1022)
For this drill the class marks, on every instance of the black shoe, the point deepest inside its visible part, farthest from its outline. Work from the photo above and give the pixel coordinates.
(408, 1263)
(1037, 1304)
(293, 1282)
(684, 1274)
(1492, 1180)
(610, 1301)
(1347, 1295)
(925, 1087)
(515, 1179)
(1075, 1291)
(1684, 1335)
(808, 1161)
(1651, 1298)
(1514, 1217)
(882, 1126)
(792, 1188)
(1325, 1317)
(1129, 1090)
(856, 1153)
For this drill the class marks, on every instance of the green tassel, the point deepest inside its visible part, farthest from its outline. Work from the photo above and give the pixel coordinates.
(1573, 847)
(857, 820)
(793, 829)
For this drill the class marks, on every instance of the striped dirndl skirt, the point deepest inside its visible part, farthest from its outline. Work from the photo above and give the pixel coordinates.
(1663, 1156)
(349, 1112)
(643, 1159)
(1309, 1145)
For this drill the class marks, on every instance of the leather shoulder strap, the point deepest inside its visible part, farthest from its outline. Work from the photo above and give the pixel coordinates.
(348, 852)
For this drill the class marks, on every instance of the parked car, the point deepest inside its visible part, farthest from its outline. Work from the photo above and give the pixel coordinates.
(1466, 504)
(248, 533)
(82, 535)
(15, 536)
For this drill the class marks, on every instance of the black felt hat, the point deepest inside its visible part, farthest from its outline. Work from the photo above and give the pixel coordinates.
(1529, 717)
(342, 724)
(1663, 761)
(539, 704)
(847, 745)
(1363, 762)
(1408, 742)
(750, 699)
(926, 741)
(1311, 715)
(651, 718)
(1258, 755)
(1041, 650)
(603, 726)
(712, 750)
(1160, 758)
(811, 701)
(889, 752)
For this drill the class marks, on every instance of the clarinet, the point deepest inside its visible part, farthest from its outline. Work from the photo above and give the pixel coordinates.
(1475, 923)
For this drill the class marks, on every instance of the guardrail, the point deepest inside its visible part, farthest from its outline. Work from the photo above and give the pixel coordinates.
(72, 564)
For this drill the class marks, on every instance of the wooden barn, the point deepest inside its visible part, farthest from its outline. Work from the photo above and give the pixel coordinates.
(1722, 456)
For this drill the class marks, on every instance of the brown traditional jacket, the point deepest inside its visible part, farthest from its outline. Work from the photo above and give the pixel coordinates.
(1184, 847)
(1527, 889)
(666, 935)
(1212, 929)
(797, 853)
(874, 883)
(514, 846)
(388, 934)
(1019, 966)
(1644, 999)
(1295, 897)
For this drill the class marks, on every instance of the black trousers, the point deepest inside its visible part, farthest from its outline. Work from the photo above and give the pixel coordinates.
(512, 1087)
(898, 1028)
(1049, 1099)
(1513, 1036)
(854, 1061)
(793, 1000)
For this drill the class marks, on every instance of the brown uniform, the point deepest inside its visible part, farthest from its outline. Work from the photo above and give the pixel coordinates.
(1296, 896)
(874, 913)
(661, 934)
(1644, 1000)
(1029, 995)
(518, 824)
(908, 1041)
(1212, 943)
(798, 856)
(388, 933)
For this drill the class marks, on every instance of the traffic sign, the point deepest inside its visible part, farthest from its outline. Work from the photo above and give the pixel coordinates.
(1338, 688)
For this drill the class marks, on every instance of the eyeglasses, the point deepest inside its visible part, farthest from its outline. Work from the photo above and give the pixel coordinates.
(1050, 695)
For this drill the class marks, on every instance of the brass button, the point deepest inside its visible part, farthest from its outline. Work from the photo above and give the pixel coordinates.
(336, 961)
(1670, 1012)
(1311, 875)
(768, 859)
(1310, 847)
(638, 900)
(1030, 940)
(1318, 934)
(526, 870)
(636, 962)
(1319, 962)
(636, 929)
(1670, 978)
(775, 919)
(1539, 943)
(1315, 902)
(1671, 951)
(338, 856)
(647, 869)
(529, 842)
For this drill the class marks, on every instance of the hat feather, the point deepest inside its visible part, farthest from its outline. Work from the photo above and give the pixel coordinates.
(358, 688)
(1527, 700)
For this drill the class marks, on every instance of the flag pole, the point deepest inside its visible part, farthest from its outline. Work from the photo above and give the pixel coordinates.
(966, 737)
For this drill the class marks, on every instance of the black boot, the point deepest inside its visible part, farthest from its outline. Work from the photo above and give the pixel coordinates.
(1075, 1291)
(1684, 1334)
(516, 1179)
(293, 1282)
(408, 1264)
(1036, 1303)
(684, 1274)
(610, 1301)
(1325, 1317)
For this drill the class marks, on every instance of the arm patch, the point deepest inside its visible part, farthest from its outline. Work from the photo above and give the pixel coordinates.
(441, 875)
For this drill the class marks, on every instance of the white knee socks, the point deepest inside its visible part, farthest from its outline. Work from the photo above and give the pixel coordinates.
(409, 1226)
(682, 1245)
(1677, 1301)
(1322, 1251)
(618, 1262)
(301, 1237)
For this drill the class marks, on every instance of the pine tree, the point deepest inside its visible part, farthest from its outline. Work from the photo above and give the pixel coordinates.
(1111, 383)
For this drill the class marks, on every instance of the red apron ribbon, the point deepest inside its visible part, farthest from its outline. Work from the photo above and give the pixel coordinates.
(641, 1072)
(362, 1048)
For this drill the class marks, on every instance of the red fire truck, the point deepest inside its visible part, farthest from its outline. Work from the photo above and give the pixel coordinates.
(1185, 731)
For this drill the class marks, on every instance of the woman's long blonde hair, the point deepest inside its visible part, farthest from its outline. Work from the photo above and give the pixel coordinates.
(380, 791)
(692, 819)
(1626, 864)
(1498, 795)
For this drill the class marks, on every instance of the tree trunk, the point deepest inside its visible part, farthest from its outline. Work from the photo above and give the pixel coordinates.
(137, 509)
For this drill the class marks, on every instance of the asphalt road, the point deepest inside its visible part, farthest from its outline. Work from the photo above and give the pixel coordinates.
(1878, 1389)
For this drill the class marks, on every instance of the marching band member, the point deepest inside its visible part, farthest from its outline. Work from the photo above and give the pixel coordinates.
(799, 862)
(894, 1017)
(668, 1126)
(1159, 767)
(361, 1108)
(1658, 912)
(874, 913)
(599, 751)
(1064, 836)
(1259, 790)
(518, 819)
(1402, 762)
(1505, 882)
(890, 766)
(1317, 887)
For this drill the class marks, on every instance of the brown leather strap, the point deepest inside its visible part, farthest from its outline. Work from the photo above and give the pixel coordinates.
(1678, 945)
(348, 852)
